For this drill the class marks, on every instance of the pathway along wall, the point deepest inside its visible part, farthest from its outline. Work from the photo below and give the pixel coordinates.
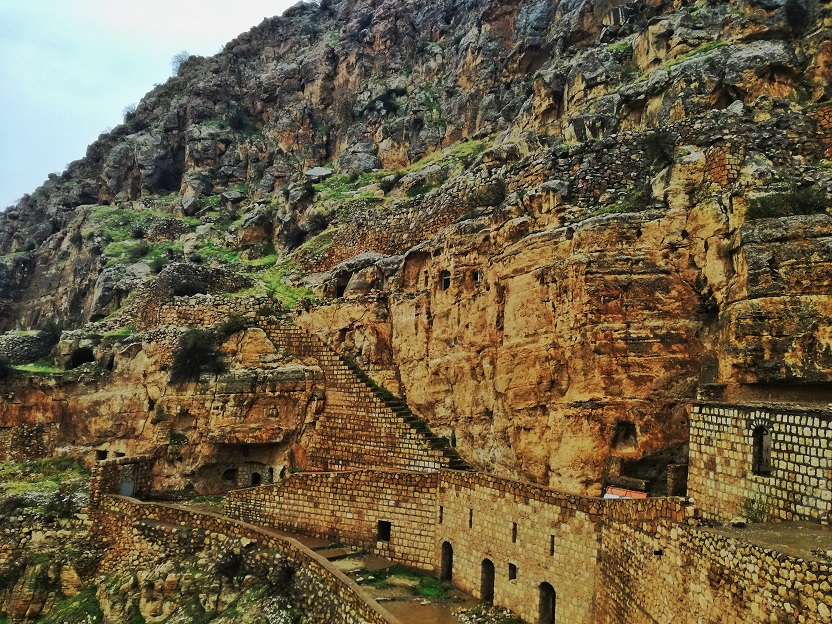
(324, 594)
(546, 554)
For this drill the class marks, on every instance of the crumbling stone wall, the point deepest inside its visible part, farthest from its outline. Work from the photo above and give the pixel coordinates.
(28, 441)
(24, 348)
(209, 310)
(665, 572)
(324, 594)
(349, 507)
(721, 479)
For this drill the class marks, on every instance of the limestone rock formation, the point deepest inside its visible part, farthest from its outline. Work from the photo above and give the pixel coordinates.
(546, 226)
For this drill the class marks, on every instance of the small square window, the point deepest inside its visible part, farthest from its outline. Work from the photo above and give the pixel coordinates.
(384, 530)
(100, 455)
(512, 572)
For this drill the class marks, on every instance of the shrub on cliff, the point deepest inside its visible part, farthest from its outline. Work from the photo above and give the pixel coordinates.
(197, 352)
(798, 200)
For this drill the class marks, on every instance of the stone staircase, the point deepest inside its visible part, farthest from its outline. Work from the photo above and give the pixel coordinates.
(363, 424)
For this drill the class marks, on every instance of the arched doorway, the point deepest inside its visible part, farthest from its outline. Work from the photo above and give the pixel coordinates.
(256, 479)
(761, 455)
(447, 573)
(487, 581)
(547, 604)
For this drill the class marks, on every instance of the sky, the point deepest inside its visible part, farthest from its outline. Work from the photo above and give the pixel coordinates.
(68, 69)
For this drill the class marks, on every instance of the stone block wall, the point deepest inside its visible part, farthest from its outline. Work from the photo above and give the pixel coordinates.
(666, 572)
(106, 476)
(349, 507)
(721, 478)
(136, 531)
(28, 441)
(549, 537)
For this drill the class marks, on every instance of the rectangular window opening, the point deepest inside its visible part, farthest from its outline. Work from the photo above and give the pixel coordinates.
(513, 532)
(100, 455)
(441, 513)
(384, 529)
(551, 545)
(512, 571)
(470, 518)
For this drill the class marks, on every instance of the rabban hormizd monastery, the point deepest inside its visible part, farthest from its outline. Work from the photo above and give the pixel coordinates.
(524, 305)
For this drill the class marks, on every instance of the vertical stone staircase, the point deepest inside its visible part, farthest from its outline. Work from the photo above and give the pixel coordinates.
(363, 424)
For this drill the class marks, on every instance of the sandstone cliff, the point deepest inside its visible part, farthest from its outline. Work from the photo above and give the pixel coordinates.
(546, 225)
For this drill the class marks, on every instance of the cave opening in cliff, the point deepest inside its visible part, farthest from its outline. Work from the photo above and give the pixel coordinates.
(624, 436)
(81, 356)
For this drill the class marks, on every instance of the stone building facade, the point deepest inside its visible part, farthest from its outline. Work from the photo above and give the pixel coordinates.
(772, 462)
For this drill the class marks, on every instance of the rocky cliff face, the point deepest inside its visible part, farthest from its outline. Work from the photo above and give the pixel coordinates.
(547, 225)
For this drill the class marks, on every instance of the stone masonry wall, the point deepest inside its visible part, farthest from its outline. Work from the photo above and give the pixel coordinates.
(348, 507)
(105, 477)
(27, 441)
(548, 536)
(823, 117)
(321, 592)
(25, 348)
(659, 572)
(209, 310)
(720, 470)
(474, 513)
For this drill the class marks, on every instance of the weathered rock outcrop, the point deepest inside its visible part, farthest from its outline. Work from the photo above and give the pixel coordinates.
(545, 223)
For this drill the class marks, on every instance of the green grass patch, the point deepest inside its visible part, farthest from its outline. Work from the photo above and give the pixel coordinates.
(431, 587)
(459, 153)
(114, 223)
(41, 367)
(210, 251)
(624, 46)
(81, 608)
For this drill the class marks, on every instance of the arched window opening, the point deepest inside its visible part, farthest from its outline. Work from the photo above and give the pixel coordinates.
(230, 474)
(445, 280)
(761, 456)
(256, 478)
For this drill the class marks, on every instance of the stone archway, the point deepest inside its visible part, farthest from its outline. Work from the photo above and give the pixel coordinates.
(447, 572)
(487, 581)
(546, 610)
